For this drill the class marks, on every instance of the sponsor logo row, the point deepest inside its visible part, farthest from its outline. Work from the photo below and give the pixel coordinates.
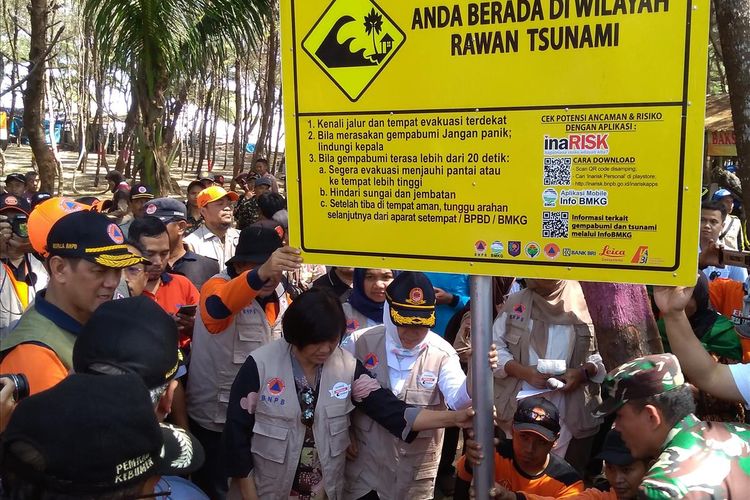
(552, 251)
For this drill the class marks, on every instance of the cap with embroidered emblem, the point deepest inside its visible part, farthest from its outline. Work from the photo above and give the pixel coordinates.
(9, 202)
(102, 436)
(411, 300)
(141, 192)
(166, 209)
(538, 415)
(90, 236)
(215, 193)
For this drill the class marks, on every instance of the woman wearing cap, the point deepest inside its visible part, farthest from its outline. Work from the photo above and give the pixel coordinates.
(365, 305)
(421, 369)
(550, 321)
(288, 420)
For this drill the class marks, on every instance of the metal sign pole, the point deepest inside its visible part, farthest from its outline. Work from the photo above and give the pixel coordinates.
(482, 386)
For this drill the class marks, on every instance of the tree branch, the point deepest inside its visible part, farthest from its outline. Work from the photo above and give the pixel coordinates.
(35, 65)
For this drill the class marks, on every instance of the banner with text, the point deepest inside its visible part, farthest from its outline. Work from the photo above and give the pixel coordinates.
(531, 138)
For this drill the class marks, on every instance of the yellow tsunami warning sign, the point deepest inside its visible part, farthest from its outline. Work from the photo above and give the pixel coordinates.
(352, 42)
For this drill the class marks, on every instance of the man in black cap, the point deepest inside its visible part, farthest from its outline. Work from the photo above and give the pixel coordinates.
(101, 439)
(411, 360)
(86, 253)
(21, 273)
(139, 195)
(524, 463)
(15, 184)
(624, 474)
(240, 310)
(134, 335)
(197, 268)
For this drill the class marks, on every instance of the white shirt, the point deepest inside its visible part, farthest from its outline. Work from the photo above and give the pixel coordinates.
(728, 272)
(741, 374)
(204, 242)
(451, 379)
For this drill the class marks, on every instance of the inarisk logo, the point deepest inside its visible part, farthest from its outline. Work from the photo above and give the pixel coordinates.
(577, 144)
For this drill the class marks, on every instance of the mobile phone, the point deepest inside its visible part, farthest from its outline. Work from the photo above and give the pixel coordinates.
(188, 310)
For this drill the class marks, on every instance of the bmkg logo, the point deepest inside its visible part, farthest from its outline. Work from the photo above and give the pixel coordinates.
(352, 42)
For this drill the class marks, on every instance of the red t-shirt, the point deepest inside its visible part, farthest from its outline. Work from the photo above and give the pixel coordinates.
(174, 292)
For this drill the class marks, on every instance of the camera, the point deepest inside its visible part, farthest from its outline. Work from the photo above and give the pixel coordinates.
(19, 226)
(21, 384)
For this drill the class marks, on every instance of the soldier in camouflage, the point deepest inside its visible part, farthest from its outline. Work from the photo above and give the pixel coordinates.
(694, 459)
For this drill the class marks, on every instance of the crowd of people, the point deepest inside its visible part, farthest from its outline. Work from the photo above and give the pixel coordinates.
(160, 348)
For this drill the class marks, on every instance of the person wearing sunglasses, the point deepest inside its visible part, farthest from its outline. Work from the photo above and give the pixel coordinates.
(287, 427)
(525, 462)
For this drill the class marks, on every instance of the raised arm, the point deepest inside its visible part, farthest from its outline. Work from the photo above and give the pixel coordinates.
(702, 370)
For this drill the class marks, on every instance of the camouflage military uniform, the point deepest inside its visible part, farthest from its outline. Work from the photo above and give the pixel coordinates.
(246, 212)
(699, 460)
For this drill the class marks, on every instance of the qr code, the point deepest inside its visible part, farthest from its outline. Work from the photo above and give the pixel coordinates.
(557, 171)
(555, 224)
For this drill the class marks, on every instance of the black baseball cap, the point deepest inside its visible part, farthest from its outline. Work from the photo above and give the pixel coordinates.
(131, 335)
(15, 178)
(141, 192)
(263, 181)
(411, 300)
(92, 434)
(90, 236)
(195, 183)
(166, 209)
(12, 203)
(538, 415)
(614, 450)
(39, 197)
(256, 244)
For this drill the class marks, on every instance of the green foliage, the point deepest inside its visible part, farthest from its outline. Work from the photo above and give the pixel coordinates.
(168, 38)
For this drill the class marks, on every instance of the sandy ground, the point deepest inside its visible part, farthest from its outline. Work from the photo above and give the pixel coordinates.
(18, 159)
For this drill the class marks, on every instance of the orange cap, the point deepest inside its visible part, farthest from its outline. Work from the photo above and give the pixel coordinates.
(213, 193)
(43, 217)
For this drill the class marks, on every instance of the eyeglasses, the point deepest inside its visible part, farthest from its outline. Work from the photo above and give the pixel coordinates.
(307, 400)
(159, 494)
(135, 270)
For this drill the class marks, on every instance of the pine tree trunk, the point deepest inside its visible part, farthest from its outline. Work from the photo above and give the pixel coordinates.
(33, 97)
(624, 324)
(203, 126)
(237, 146)
(733, 18)
(126, 145)
(269, 96)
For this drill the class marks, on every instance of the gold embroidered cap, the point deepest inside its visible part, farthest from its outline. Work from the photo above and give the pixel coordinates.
(411, 300)
(93, 237)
